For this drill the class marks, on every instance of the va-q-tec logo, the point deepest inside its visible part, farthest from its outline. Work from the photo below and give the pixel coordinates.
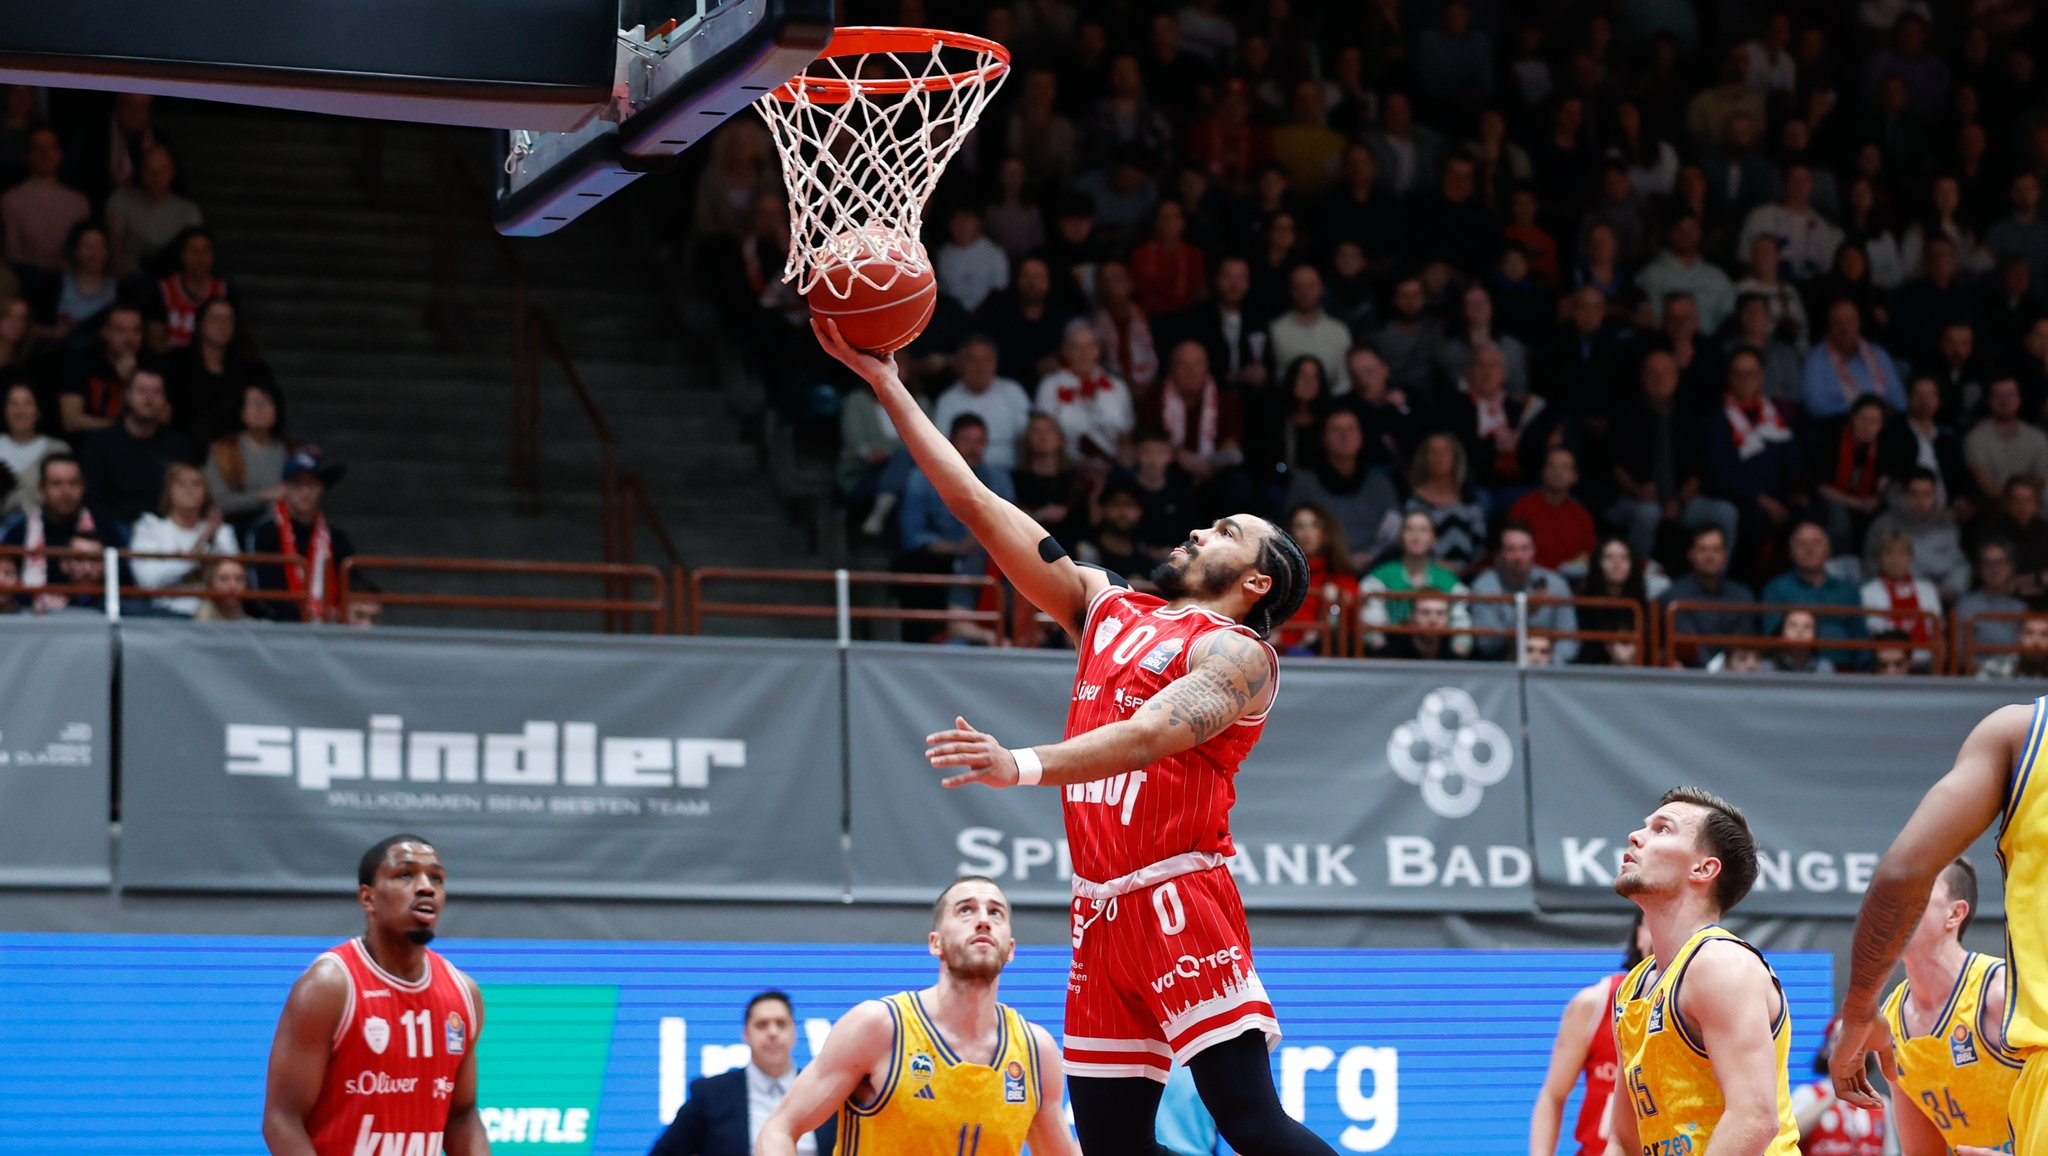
(542, 754)
(1451, 752)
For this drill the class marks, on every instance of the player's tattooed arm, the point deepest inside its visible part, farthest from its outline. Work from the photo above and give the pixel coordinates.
(1230, 676)
(1957, 809)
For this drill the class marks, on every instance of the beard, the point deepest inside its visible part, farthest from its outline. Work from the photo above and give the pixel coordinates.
(1629, 884)
(968, 962)
(1186, 577)
(421, 935)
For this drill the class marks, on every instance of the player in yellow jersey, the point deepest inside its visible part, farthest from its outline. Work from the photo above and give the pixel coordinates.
(1701, 1027)
(1993, 774)
(946, 1071)
(1944, 1048)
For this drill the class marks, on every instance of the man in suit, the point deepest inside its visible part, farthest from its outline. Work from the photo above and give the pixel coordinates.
(724, 1113)
(1236, 340)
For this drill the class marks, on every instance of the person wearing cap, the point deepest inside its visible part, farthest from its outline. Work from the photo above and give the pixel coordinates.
(296, 525)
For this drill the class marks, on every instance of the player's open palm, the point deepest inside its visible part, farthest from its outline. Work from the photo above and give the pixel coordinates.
(981, 758)
(870, 368)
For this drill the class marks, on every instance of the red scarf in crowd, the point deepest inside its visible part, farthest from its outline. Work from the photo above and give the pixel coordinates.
(1850, 390)
(1905, 595)
(1080, 388)
(1755, 425)
(1173, 414)
(326, 592)
(35, 568)
(1856, 467)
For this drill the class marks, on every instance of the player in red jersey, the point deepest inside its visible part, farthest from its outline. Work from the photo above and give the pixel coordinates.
(1170, 695)
(375, 1053)
(1585, 1043)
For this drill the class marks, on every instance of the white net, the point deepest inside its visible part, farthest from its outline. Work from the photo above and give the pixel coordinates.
(864, 134)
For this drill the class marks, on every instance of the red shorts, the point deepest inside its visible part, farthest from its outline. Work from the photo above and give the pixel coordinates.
(1159, 974)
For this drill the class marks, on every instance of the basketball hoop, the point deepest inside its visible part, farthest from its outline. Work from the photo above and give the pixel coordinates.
(864, 134)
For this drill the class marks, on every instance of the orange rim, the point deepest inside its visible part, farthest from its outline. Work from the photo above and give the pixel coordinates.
(864, 41)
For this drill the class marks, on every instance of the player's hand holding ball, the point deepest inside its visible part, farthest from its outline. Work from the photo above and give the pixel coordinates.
(986, 761)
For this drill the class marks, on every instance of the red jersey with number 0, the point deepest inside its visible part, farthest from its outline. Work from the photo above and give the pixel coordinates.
(391, 1069)
(1601, 1067)
(1131, 648)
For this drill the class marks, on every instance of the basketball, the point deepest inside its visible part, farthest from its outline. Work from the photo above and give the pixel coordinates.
(881, 302)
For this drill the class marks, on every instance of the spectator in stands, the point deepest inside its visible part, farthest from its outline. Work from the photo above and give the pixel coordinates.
(23, 446)
(1165, 489)
(1810, 583)
(2009, 308)
(1895, 657)
(1000, 403)
(61, 523)
(1013, 219)
(1416, 569)
(145, 217)
(1783, 308)
(1621, 210)
(1454, 63)
(1929, 303)
(1501, 433)
(175, 309)
(1305, 330)
(1331, 577)
(1993, 594)
(21, 354)
(1806, 240)
(1390, 422)
(125, 463)
(1438, 486)
(1205, 424)
(90, 398)
(1852, 485)
(1909, 599)
(1025, 322)
(206, 378)
(42, 210)
(87, 288)
(188, 523)
(1582, 370)
(2022, 233)
(1236, 344)
(741, 171)
(1281, 426)
(1126, 124)
(1359, 209)
(1049, 487)
(1601, 269)
(969, 265)
(1737, 660)
(1739, 178)
(1515, 572)
(1844, 367)
(1681, 268)
(1090, 405)
(1340, 482)
(297, 525)
(1409, 342)
(1618, 573)
(1040, 136)
(1937, 544)
(2030, 662)
(1408, 156)
(1125, 330)
(365, 610)
(245, 470)
(1475, 329)
(10, 576)
(1752, 458)
(1707, 581)
(1167, 273)
(1798, 630)
(723, 1114)
(1562, 527)
(1660, 462)
(1784, 369)
(1114, 544)
(1919, 441)
(2002, 448)
(1435, 620)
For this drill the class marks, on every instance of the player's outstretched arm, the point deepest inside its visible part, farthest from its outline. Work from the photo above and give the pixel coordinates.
(1727, 991)
(859, 1043)
(1230, 676)
(298, 1056)
(1622, 1137)
(1049, 1134)
(1955, 810)
(1582, 1017)
(1049, 579)
(465, 1135)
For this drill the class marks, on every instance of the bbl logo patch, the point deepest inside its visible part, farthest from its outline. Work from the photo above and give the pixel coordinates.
(457, 1034)
(1161, 655)
(1105, 631)
(920, 1067)
(1962, 1048)
(1013, 1083)
(377, 1034)
(1656, 1014)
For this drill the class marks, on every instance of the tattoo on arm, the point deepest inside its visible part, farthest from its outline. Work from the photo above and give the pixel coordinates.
(1883, 926)
(1221, 689)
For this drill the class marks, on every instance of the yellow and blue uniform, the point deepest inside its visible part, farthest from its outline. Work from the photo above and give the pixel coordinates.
(1665, 1071)
(2023, 853)
(936, 1103)
(1958, 1078)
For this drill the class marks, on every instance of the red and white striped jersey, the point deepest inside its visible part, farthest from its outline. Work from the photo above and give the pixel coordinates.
(391, 1071)
(1131, 647)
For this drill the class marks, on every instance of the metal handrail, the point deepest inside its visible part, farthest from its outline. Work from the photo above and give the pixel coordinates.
(303, 597)
(1637, 635)
(1674, 639)
(700, 608)
(614, 576)
(1967, 649)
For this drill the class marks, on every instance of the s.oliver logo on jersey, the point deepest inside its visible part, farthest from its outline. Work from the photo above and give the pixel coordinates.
(540, 754)
(378, 1084)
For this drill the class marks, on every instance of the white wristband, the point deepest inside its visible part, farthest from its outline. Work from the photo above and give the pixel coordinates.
(1030, 768)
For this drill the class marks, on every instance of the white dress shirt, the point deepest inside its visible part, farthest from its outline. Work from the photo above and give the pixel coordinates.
(764, 1095)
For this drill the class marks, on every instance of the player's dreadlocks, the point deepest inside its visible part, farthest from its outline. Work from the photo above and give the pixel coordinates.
(1281, 559)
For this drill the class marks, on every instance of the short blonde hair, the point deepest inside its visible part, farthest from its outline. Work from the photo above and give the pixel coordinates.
(172, 474)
